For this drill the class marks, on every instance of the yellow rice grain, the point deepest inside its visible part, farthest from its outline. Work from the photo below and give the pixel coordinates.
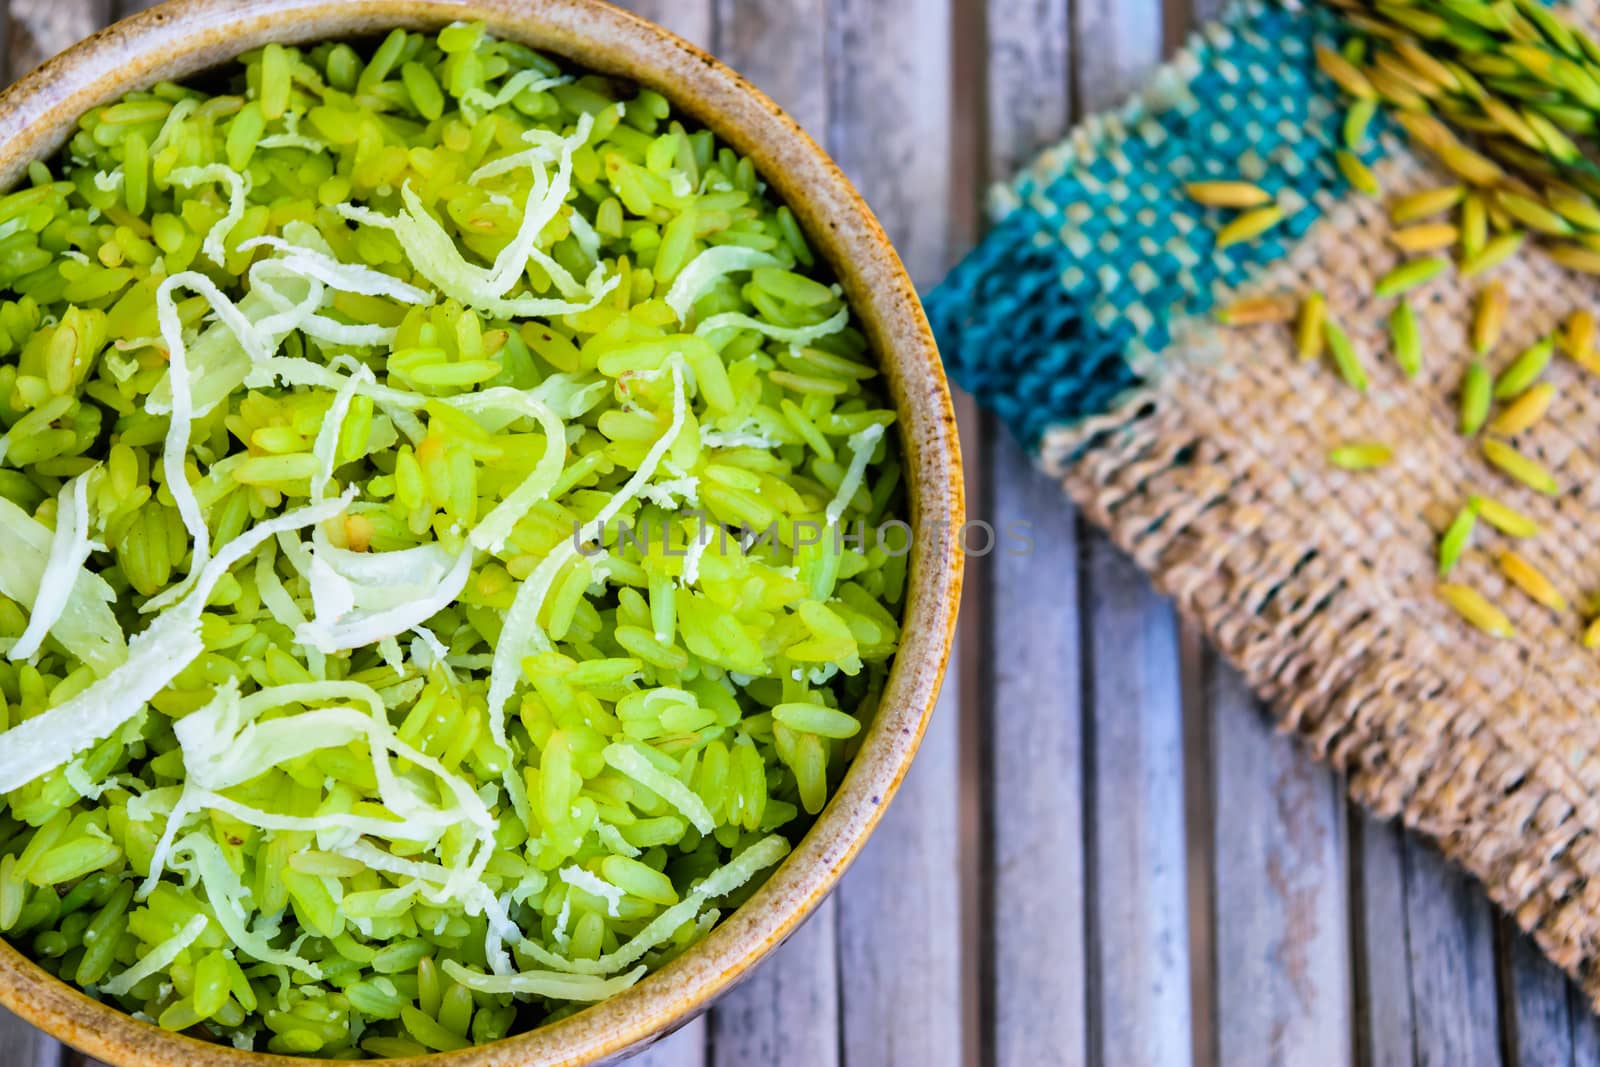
(1474, 607)
(1249, 225)
(1428, 202)
(1308, 332)
(1504, 518)
(1531, 580)
(1253, 310)
(1523, 412)
(1489, 317)
(1519, 467)
(1425, 237)
(1227, 194)
(1591, 634)
(1577, 337)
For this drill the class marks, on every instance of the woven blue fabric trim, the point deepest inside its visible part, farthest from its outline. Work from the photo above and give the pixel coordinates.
(1096, 251)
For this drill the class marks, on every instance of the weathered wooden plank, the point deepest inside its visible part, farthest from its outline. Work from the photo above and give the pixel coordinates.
(1138, 927)
(1281, 942)
(899, 928)
(1426, 992)
(1200, 11)
(1382, 965)
(787, 1013)
(1035, 804)
(1425, 980)
(693, 20)
(1028, 79)
(685, 1047)
(1405, 1004)
(891, 62)
(899, 922)
(1540, 1022)
(1037, 1003)
(781, 46)
(72, 1058)
(1116, 45)
(1585, 1029)
(23, 1046)
(1450, 937)
(38, 29)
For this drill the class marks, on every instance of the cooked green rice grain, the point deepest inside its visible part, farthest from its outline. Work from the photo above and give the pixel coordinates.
(813, 719)
(423, 89)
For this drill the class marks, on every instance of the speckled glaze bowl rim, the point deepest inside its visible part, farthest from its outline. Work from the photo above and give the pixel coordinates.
(183, 37)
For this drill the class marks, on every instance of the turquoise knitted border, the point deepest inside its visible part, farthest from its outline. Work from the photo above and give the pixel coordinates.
(1066, 304)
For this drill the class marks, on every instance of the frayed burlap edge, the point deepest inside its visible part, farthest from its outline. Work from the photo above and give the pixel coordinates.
(1319, 584)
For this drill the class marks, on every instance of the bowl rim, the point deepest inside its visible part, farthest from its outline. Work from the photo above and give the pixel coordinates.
(180, 38)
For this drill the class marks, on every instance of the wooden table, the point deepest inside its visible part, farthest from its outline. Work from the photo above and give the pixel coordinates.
(1103, 855)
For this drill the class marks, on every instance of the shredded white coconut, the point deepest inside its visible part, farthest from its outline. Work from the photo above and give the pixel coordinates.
(238, 185)
(69, 549)
(594, 885)
(159, 958)
(794, 335)
(861, 445)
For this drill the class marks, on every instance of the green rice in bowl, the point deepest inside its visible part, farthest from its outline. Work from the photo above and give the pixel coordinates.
(518, 602)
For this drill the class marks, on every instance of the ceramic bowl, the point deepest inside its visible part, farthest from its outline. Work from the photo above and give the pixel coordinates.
(184, 37)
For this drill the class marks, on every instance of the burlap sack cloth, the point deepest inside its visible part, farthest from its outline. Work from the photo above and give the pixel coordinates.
(1210, 469)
